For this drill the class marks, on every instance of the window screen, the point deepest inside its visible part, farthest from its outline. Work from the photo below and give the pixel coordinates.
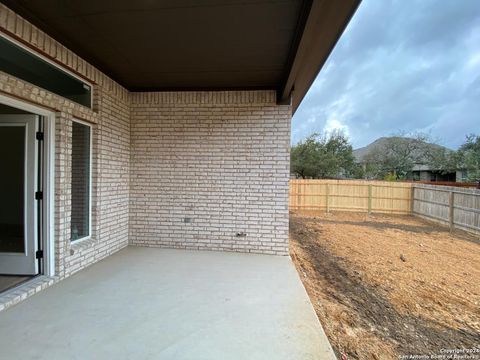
(80, 221)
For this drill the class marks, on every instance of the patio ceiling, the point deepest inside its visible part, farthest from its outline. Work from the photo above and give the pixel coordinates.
(164, 45)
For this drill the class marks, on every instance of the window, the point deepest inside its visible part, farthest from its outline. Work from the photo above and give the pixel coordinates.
(17, 61)
(81, 181)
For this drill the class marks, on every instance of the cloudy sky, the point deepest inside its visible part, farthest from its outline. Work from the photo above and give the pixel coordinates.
(401, 65)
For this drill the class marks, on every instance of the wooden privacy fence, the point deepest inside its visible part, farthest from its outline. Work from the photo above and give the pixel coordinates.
(452, 206)
(351, 195)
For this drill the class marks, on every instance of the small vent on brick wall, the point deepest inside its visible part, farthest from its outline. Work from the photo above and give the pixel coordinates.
(187, 220)
(241, 234)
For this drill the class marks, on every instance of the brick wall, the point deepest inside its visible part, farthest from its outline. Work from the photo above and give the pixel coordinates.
(209, 170)
(110, 183)
(185, 170)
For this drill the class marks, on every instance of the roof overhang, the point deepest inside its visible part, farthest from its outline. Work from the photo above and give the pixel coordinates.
(165, 45)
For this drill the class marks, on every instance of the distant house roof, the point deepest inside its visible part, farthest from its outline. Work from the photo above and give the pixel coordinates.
(198, 45)
(423, 167)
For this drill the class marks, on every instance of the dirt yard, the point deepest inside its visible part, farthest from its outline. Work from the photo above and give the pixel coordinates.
(387, 286)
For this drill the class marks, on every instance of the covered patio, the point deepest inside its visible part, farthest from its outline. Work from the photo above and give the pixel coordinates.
(138, 127)
(169, 304)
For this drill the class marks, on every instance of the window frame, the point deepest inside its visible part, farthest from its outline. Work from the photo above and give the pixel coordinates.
(61, 67)
(89, 236)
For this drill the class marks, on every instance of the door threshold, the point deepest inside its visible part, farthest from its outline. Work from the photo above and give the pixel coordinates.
(24, 290)
(8, 281)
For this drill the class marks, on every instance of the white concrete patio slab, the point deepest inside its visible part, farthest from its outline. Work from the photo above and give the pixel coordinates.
(150, 303)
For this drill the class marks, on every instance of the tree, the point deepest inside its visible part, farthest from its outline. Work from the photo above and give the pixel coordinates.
(443, 160)
(323, 156)
(469, 157)
(397, 156)
(305, 158)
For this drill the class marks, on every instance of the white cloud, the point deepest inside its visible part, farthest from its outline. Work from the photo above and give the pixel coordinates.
(333, 124)
(473, 61)
(396, 71)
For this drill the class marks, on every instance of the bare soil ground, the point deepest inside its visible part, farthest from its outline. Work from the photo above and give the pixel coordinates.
(387, 286)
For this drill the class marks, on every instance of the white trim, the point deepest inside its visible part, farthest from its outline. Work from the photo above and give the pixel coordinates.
(59, 67)
(49, 205)
(89, 236)
(48, 180)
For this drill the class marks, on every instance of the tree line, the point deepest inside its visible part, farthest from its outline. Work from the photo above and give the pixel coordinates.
(329, 156)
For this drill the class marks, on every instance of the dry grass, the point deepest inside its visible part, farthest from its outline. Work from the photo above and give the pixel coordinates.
(385, 286)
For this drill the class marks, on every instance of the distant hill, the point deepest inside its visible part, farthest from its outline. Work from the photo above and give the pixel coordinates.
(382, 142)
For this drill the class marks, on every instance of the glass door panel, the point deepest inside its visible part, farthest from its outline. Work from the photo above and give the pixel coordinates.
(18, 170)
(12, 185)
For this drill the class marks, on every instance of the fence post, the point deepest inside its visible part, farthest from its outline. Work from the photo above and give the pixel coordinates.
(451, 198)
(298, 201)
(477, 206)
(369, 199)
(327, 200)
(412, 199)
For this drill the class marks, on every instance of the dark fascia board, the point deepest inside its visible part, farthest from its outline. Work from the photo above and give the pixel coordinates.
(325, 24)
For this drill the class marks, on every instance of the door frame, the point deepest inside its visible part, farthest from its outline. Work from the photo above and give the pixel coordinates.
(48, 203)
(24, 262)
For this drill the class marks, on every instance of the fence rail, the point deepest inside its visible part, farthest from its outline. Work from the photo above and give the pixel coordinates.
(453, 206)
(457, 208)
(351, 195)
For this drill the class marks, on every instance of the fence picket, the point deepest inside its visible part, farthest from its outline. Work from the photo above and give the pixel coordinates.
(452, 206)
